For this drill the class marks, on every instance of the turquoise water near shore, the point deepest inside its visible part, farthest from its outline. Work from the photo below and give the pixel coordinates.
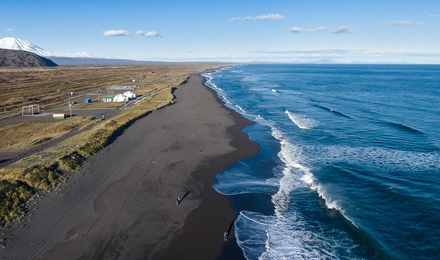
(350, 160)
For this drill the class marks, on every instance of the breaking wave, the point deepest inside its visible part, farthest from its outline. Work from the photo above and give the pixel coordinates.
(302, 121)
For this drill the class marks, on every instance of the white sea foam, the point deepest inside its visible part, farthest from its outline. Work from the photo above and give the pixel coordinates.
(332, 201)
(220, 92)
(286, 234)
(250, 231)
(302, 121)
(238, 179)
(375, 157)
(258, 89)
(245, 186)
(263, 121)
(223, 96)
(249, 78)
(380, 159)
(269, 237)
(242, 110)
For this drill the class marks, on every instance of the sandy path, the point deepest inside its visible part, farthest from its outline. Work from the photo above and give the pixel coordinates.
(122, 203)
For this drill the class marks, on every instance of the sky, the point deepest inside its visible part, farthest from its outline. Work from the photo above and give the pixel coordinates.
(365, 31)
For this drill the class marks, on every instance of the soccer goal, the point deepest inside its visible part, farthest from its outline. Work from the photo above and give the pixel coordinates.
(30, 110)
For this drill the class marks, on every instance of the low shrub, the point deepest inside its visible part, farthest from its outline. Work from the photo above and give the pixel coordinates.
(13, 195)
(96, 142)
(101, 137)
(42, 177)
(71, 161)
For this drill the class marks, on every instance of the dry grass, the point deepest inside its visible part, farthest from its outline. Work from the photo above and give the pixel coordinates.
(31, 133)
(49, 87)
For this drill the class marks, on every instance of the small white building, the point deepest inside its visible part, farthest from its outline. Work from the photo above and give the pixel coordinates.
(129, 94)
(120, 98)
(108, 99)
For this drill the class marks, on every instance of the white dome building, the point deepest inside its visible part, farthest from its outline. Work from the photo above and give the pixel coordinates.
(120, 98)
(129, 95)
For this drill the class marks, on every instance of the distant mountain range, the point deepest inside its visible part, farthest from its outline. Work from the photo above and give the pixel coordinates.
(12, 43)
(17, 58)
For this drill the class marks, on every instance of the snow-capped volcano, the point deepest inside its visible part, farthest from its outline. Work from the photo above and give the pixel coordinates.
(13, 43)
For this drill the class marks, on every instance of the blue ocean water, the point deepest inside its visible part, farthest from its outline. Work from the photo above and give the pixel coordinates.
(350, 160)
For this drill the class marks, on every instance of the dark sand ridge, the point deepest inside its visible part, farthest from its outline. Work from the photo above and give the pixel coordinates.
(121, 205)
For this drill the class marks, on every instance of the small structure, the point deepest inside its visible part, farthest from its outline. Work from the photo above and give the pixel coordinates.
(108, 99)
(88, 100)
(31, 110)
(121, 87)
(129, 94)
(120, 98)
(59, 116)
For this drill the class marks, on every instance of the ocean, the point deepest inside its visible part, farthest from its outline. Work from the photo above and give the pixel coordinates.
(349, 166)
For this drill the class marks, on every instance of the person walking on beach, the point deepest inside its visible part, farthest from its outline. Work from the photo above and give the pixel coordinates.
(177, 201)
(225, 236)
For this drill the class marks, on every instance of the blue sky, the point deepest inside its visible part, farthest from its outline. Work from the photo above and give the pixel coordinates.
(232, 31)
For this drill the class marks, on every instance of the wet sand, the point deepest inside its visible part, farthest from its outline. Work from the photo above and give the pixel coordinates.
(122, 204)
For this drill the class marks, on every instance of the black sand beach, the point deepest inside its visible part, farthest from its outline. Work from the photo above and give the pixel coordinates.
(121, 205)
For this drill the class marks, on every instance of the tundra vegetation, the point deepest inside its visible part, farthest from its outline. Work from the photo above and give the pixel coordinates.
(28, 178)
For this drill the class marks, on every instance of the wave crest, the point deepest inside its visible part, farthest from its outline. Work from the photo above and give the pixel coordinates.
(302, 121)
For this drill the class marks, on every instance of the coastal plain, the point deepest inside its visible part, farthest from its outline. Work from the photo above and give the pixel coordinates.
(121, 203)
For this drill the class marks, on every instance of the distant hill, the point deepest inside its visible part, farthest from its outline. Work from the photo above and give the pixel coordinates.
(16, 58)
(67, 61)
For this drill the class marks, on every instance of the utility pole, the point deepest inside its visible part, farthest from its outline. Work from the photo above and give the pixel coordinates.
(70, 108)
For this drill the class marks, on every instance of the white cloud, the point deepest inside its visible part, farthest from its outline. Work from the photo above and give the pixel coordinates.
(320, 28)
(314, 53)
(10, 29)
(403, 23)
(260, 17)
(297, 29)
(433, 15)
(343, 29)
(116, 33)
(127, 33)
(148, 34)
(342, 53)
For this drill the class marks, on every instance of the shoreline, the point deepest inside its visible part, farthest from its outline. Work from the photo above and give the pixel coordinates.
(214, 215)
(121, 205)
